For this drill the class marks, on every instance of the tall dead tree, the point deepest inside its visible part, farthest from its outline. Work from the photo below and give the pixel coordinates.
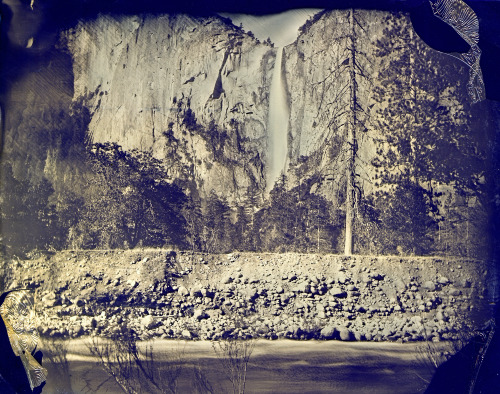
(357, 117)
(341, 90)
(351, 140)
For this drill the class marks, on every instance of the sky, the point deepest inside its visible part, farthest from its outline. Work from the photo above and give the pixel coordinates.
(282, 28)
(41, 22)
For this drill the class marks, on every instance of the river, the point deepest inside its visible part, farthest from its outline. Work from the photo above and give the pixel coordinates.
(282, 366)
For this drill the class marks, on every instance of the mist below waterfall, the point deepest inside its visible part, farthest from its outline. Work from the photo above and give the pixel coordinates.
(278, 124)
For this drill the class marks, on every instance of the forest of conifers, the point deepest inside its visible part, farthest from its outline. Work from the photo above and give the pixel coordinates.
(124, 200)
(434, 188)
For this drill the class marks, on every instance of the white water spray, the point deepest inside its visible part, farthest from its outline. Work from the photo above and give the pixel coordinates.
(278, 124)
(282, 29)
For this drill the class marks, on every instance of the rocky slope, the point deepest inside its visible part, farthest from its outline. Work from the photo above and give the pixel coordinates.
(161, 293)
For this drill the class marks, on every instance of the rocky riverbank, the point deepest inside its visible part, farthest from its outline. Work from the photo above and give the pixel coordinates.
(160, 293)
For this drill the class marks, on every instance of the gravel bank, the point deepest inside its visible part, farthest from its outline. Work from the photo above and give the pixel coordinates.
(166, 294)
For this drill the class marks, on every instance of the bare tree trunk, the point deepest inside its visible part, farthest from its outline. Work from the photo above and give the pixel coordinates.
(317, 223)
(351, 142)
(467, 245)
(349, 216)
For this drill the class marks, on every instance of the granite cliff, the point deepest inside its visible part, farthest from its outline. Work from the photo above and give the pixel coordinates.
(391, 64)
(196, 86)
(195, 92)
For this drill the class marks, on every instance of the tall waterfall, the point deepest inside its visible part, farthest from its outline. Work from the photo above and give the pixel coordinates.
(278, 124)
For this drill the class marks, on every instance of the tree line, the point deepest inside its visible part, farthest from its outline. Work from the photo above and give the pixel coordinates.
(127, 202)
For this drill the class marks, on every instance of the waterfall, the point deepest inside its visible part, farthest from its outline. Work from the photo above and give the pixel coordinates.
(278, 124)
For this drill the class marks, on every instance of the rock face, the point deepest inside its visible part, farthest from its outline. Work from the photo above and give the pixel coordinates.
(194, 91)
(318, 83)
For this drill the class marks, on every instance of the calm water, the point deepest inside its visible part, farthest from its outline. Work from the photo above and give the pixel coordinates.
(282, 366)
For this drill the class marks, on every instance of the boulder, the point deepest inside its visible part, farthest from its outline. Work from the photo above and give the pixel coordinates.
(358, 336)
(388, 331)
(429, 285)
(345, 334)
(377, 276)
(78, 330)
(297, 332)
(337, 291)
(328, 332)
(50, 300)
(78, 301)
(200, 314)
(148, 322)
(132, 283)
(341, 278)
(464, 283)
(195, 292)
(441, 317)
(302, 287)
(454, 291)
(183, 291)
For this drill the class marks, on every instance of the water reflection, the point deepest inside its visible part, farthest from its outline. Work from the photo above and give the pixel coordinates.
(282, 366)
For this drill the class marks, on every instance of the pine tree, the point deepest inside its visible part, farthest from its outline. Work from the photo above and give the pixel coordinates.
(277, 220)
(425, 119)
(251, 204)
(27, 220)
(128, 202)
(218, 231)
(193, 216)
(241, 229)
(357, 117)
